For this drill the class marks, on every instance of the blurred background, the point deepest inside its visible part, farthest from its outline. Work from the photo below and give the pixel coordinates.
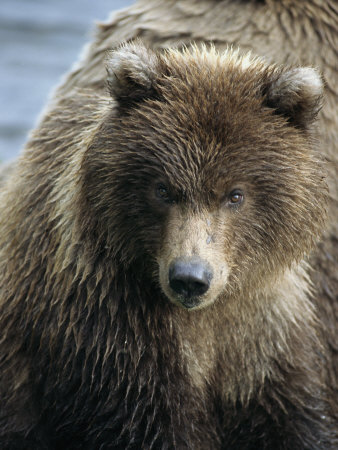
(39, 42)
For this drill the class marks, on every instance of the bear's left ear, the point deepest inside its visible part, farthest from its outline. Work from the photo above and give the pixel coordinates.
(132, 70)
(297, 94)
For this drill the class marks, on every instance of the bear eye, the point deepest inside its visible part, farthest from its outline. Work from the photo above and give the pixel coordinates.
(162, 193)
(236, 197)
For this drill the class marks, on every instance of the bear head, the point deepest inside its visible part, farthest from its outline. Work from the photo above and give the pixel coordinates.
(202, 173)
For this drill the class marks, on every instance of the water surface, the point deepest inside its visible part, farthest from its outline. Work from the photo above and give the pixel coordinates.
(39, 41)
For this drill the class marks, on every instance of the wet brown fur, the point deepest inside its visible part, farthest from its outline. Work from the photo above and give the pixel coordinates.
(283, 32)
(94, 355)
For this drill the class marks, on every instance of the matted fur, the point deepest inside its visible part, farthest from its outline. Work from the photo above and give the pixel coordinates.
(292, 32)
(93, 353)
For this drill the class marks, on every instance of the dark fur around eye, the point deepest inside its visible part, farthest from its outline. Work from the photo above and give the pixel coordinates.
(163, 193)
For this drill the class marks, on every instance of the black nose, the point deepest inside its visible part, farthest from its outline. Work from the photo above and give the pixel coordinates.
(190, 277)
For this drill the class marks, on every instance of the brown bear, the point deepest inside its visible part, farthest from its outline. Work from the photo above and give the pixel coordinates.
(282, 31)
(153, 276)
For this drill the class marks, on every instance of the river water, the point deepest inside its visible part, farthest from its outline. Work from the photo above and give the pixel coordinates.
(39, 41)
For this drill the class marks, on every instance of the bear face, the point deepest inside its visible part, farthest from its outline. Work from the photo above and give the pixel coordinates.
(202, 170)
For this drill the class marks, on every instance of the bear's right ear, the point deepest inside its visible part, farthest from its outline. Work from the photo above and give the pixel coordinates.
(132, 71)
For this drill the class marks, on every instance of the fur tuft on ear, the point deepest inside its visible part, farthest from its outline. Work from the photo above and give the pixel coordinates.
(132, 70)
(297, 94)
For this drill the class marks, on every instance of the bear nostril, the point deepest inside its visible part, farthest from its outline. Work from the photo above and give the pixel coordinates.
(189, 278)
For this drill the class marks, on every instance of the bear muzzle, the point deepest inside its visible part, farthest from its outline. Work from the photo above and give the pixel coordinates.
(189, 279)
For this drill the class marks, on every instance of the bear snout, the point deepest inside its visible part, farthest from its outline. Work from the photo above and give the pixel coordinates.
(190, 279)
